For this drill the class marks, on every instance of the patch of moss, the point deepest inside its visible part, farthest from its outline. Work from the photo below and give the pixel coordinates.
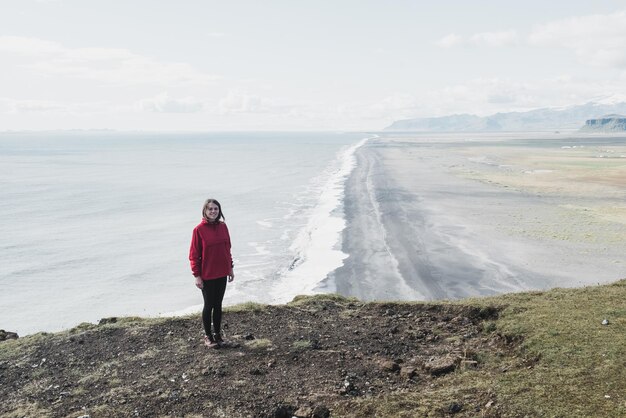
(300, 300)
(302, 345)
(246, 307)
(259, 344)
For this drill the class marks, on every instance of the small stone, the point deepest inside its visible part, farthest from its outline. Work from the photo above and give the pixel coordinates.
(110, 320)
(249, 337)
(469, 364)
(489, 404)
(389, 366)
(605, 322)
(320, 411)
(441, 365)
(408, 372)
(303, 412)
(8, 335)
(257, 372)
(349, 388)
(283, 411)
(454, 407)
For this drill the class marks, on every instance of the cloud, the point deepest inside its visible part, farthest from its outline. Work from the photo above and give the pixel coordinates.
(109, 65)
(494, 39)
(483, 39)
(165, 104)
(399, 105)
(15, 106)
(29, 46)
(24, 106)
(12, 106)
(241, 102)
(486, 96)
(595, 39)
(450, 40)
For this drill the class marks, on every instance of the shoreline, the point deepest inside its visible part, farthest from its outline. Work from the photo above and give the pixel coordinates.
(419, 230)
(315, 249)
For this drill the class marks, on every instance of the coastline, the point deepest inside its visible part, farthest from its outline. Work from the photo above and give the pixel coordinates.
(420, 228)
(91, 247)
(316, 249)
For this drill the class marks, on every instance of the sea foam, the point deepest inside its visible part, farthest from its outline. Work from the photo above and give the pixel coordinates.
(317, 247)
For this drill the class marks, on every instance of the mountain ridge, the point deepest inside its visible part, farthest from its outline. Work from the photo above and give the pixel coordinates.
(573, 117)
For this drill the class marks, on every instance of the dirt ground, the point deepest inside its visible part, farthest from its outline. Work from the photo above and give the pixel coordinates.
(309, 358)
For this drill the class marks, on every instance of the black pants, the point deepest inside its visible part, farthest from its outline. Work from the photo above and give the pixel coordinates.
(213, 294)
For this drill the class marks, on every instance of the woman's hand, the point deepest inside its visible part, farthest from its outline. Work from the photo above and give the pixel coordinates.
(199, 282)
(231, 276)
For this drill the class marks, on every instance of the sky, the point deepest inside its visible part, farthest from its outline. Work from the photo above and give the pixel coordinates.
(284, 65)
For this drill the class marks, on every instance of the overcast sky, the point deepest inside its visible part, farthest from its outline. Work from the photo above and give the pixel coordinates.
(299, 65)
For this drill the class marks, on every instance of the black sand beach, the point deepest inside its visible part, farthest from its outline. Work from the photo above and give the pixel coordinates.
(426, 220)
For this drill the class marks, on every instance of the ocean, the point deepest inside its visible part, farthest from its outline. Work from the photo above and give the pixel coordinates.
(98, 224)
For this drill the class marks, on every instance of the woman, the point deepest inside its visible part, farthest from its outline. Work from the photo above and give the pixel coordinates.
(212, 266)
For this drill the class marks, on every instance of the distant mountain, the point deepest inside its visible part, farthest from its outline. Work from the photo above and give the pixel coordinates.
(572, 117)
(608, 123)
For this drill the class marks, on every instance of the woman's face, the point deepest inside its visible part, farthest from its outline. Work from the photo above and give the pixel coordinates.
(212, 212)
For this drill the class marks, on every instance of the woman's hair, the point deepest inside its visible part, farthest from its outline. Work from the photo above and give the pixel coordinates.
(206, 205)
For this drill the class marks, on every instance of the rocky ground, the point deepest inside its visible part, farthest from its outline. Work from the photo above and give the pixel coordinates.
(314, 357)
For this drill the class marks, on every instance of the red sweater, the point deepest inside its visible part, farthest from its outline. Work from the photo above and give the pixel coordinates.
(210, 251)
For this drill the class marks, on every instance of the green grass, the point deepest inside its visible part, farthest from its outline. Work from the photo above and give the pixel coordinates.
(245, 307)
(302, 345)
(259, 344)
(304, 300)
(581, 360)
(568, 363)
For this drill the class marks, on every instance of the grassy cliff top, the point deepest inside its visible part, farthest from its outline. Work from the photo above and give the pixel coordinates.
(526, 354)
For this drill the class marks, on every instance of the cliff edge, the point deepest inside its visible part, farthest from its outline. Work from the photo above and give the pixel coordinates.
(608, 123)
(534, 354)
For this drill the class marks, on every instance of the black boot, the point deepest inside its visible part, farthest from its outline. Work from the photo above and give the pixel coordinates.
(209, 341)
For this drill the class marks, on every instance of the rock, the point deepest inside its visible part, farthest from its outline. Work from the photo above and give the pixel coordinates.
(389, 366)
(257, 372)
(303, 412)
(214, 371)
(8, 335)
(454, 408)
(249, 337)
(110, 320)
(348, 387)
(408, 372)
(441, 365)
(320, 411)
(229, 344)
(283, 411)
(469, 364)
(605, 322)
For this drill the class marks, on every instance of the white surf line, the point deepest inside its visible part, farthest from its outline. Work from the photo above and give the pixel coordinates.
(315, 246)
